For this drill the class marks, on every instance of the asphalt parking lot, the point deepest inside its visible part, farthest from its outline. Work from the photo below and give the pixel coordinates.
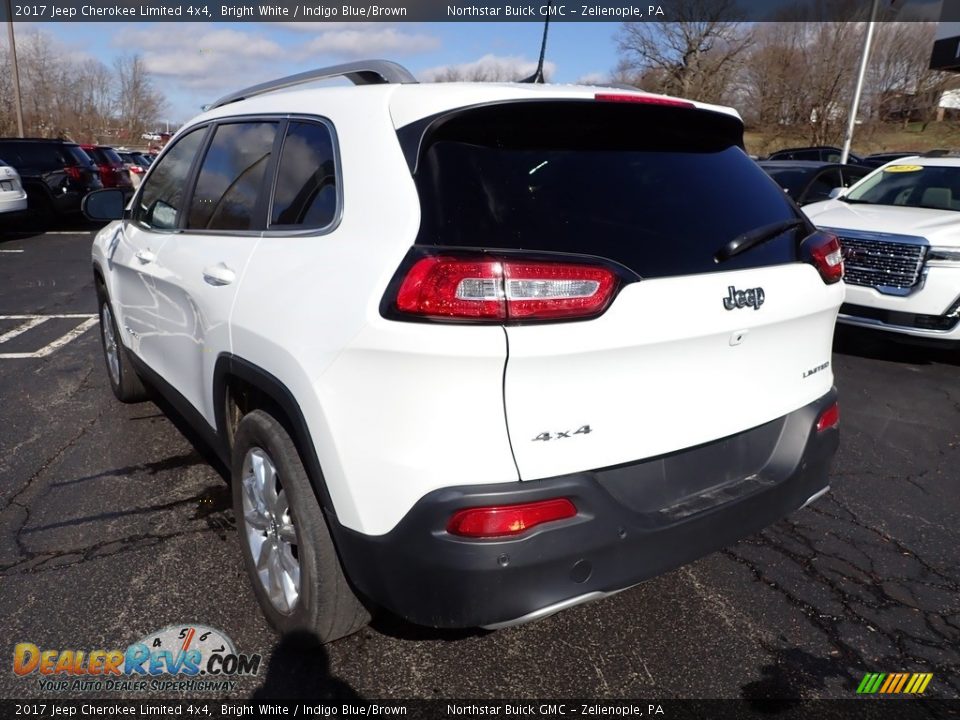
(114, 523)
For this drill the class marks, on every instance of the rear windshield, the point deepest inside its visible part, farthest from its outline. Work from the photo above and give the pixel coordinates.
(111, 156)
(77, 155)
(657, 189)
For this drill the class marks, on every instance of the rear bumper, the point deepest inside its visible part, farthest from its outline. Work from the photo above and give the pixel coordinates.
(631, 525)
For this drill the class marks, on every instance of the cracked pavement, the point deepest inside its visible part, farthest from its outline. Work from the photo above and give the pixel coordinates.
(114, 523)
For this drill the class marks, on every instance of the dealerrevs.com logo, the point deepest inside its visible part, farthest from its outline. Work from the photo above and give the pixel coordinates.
(185, 658)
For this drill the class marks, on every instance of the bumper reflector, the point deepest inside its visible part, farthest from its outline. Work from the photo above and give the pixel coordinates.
(506, 520)
(830, 418)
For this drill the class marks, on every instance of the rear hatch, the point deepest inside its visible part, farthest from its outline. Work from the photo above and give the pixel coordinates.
(688, 349)
(113, 172)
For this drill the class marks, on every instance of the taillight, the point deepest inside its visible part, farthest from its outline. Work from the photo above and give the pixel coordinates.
(72, 172)
(505, 520)
(824, 252)
(492, 288)
(829, 418)
(643, 99)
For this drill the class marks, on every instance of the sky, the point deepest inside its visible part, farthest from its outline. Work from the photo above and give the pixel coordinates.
(193, 64)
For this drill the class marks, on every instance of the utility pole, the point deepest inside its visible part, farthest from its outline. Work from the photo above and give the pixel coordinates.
(16, 71)
(855, 104)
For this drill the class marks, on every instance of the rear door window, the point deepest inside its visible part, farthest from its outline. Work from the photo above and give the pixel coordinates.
(229, 193)
(656, 189)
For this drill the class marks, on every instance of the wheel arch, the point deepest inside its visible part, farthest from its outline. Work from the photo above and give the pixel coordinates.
(239, 385)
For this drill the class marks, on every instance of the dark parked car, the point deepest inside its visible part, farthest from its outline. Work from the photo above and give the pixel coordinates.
(824, 153)
(55, 173)
(113, 172)
(877, 159)
(808, 182)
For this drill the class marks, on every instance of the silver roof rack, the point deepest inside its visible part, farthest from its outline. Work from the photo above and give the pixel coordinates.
(362, 72)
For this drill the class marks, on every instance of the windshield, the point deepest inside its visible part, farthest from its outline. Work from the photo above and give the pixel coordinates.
(922, 186)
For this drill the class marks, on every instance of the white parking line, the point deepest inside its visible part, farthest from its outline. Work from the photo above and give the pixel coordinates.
(11, 251)
(32, 321)
(23, 327)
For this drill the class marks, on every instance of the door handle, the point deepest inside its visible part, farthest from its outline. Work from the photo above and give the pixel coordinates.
(218, 275)
(145, 256)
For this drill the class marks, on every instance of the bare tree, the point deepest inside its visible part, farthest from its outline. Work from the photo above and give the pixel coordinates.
(698, 56)
(76, 98)
(489, 68)
(903, 87)
(140, 105)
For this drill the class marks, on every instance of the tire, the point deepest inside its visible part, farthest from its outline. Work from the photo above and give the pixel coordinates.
(300, 585)
(124, 381)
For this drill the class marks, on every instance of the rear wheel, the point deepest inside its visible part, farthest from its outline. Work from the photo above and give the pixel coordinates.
(124, 381)
(287, 548)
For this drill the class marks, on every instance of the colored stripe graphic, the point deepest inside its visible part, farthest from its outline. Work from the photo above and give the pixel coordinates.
(891, 680)
(894, 683)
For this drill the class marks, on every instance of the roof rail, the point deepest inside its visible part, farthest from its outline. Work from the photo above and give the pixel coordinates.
(362, 72)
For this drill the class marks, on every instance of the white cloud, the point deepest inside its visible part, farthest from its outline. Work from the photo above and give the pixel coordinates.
(212, 60)
(594, 78)
(493, 68)
(370, 43)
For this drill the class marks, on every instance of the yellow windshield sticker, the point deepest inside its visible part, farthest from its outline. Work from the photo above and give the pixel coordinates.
(903, 168)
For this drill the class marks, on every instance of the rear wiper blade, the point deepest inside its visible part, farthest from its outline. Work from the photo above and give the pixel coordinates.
(755, 237)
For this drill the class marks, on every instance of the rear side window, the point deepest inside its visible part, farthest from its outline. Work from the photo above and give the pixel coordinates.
(657, 189)
(305, 194)
(231, 177)
(161, 197)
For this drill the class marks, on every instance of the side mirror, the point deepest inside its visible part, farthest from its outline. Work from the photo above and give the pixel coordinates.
(105, 204)
(837, 192)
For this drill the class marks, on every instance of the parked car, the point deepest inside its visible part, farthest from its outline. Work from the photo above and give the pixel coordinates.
(825, 153)
(12, 195)
(877, 159)
(113, 171)
(329, 283)
(136, 164)
(807, 181)
(56, 174)
(900, 233)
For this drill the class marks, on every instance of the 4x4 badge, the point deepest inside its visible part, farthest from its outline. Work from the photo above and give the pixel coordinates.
(752, 297)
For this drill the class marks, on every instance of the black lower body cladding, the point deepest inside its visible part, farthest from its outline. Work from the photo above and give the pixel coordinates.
(634, 522)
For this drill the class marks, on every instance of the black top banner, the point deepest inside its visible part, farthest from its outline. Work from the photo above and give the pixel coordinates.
(209, 11)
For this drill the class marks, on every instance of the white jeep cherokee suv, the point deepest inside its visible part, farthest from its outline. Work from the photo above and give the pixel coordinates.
(900, 232)
(474, 352)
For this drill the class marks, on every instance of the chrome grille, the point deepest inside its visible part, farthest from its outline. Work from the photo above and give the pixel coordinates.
(881, 263)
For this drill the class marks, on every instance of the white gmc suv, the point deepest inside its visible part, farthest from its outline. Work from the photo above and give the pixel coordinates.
(899, 229)
(474, 352)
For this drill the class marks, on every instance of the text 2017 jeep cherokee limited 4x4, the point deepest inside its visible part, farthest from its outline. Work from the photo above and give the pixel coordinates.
(475, 352)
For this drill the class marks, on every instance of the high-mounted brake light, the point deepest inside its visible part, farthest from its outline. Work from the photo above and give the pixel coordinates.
(492, 288)
(505, 520)
(644, 99)
(826, 255)
(829, 418)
